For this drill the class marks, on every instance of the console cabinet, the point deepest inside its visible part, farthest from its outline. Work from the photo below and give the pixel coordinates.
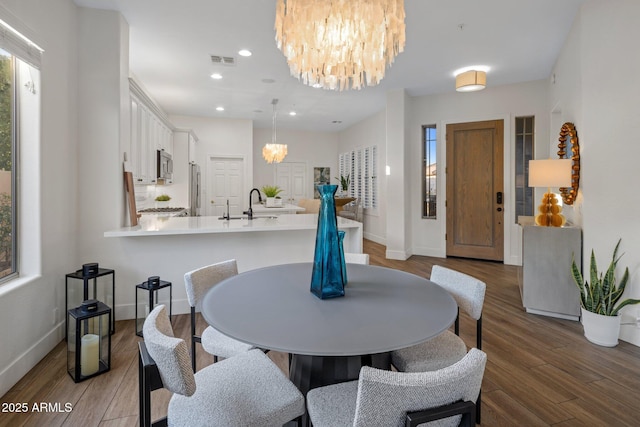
(547, 285)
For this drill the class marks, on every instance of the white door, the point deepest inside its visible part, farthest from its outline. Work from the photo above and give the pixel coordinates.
(291, 177)
(224, 182)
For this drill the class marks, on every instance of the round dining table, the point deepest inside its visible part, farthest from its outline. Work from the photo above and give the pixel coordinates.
(382, 310)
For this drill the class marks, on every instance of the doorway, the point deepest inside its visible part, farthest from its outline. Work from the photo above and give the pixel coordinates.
(291, 177)
(224, 182)
(475, 190)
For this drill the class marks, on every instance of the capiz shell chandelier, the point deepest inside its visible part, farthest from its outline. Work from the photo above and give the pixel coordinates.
(274, 153)
(340, 44)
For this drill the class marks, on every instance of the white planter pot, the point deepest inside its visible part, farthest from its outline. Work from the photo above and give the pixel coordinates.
(599, 329)
(274, 202)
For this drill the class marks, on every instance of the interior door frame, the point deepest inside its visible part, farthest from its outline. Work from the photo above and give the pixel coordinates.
(512, 231)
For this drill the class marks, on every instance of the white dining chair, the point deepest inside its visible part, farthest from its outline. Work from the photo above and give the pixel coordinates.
(354, 258)
(395, 399)
(247, 390)
(446, 348)
(197, 283)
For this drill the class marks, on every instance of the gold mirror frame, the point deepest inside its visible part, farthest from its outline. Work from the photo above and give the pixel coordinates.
(569, 194)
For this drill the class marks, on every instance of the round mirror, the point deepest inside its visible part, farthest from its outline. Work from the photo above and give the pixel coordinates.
(569, 148)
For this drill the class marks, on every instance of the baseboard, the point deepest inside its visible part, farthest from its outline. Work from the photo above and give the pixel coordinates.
(30, 358)
(432, 252)
(127, 311)
(399, 255)
(375, 238)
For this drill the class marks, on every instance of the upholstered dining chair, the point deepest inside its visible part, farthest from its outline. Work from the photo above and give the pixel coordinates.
(245, 390)
(390, 399)
(354, 258)
(311, 206)
(197, 283)
(352, 210)
(447, 348)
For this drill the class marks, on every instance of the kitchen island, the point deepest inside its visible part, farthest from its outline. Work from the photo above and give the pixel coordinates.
(171, 246)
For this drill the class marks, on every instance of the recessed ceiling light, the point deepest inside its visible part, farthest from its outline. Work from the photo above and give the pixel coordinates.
(336, 122)
(244, 52)
(216, 76)
(219, 108)
(292, 113)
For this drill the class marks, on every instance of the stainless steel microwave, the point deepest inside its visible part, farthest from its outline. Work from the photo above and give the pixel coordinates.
(165, 165)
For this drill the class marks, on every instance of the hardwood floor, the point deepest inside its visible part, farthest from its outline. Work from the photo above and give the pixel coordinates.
(540, 371)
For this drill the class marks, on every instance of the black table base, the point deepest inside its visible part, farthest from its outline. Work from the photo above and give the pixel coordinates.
(309, 372)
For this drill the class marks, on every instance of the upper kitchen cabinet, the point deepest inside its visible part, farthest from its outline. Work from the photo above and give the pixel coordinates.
(150, 131)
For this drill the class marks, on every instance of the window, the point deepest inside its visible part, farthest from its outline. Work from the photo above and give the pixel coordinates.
(19, 59)
(361, 166)
(429, 171)
(524, 153)
(7, 161)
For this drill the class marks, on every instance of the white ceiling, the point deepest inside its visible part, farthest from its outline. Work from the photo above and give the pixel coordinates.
(171, 43)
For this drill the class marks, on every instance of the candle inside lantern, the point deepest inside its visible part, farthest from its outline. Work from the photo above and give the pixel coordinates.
(89, 354)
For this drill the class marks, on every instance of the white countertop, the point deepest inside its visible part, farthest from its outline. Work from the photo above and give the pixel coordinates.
(152, 225)
(287, 207)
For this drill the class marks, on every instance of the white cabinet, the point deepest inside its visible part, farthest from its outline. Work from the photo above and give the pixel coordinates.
(547, 284)
(150, 132)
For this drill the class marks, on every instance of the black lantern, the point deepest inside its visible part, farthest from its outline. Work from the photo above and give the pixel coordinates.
(91, 282)
(153, 285)
(88, 340)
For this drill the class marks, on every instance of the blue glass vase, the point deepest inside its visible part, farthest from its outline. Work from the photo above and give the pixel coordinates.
(341, 235)
(327, 280)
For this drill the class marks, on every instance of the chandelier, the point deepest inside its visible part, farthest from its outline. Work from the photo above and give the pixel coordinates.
(340, 44)
(274, 153)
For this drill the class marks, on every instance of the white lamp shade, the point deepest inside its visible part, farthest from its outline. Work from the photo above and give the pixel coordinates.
(550, 173)
(471, 80)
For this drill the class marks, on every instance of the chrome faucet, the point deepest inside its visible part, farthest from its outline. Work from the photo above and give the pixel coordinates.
(249, 212)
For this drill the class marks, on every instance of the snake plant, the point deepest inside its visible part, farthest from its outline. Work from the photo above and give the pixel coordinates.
(601, 295)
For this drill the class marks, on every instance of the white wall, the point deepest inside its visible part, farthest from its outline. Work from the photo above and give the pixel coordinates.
(368, 132)
(220, 138)
(492, 103)
(607, 123)
(316, 149)
(32, 307)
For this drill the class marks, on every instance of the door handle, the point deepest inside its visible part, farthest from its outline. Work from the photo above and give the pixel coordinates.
(499, 197)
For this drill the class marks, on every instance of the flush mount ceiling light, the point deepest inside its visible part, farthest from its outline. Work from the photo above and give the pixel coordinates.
(471, 79)
(274, 152)
(340, 44)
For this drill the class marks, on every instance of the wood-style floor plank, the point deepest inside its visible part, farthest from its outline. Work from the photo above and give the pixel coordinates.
(541, 371)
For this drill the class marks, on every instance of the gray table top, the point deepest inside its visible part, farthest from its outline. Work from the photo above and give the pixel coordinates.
(382, 310)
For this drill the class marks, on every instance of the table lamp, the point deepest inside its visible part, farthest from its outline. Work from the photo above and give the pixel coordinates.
(550, 173)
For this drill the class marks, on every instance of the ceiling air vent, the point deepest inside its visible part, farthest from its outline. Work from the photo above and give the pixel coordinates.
(229, 61)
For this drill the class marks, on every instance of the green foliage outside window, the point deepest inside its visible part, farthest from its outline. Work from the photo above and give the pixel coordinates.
(6, 104)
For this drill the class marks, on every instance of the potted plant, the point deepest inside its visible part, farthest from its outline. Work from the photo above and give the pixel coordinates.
(162, 200)
(344, 183)
(271, 193)
(598, 299)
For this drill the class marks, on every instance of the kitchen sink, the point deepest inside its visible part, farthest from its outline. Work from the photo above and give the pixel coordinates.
(245, 217)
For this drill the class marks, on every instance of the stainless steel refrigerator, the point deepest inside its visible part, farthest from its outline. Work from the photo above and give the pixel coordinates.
(194, 189)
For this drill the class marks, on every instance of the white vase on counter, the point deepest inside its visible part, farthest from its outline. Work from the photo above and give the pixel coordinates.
(274, 202)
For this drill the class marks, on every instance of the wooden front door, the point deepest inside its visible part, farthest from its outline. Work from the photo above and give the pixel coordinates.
(475, 193)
